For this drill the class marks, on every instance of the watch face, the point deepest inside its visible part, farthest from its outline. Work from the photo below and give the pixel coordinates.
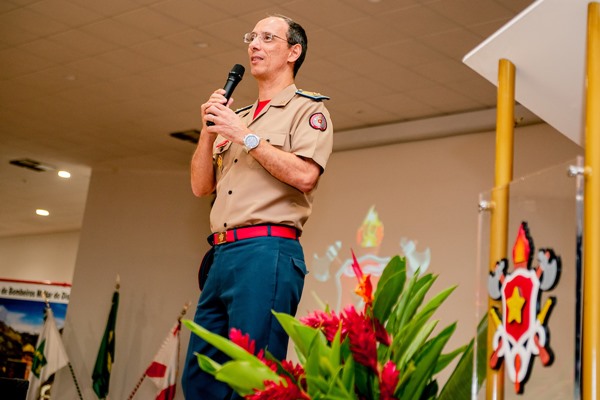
(251, 141)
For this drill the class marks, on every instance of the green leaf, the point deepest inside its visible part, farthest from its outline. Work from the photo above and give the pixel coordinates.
(242, 362)
(300, 334)
(414, 343)
(446, 359)
(207, 364)
(427, 311)
(430, 391)
(425, 363)
(244, 376)
(460, 382)
(226, 346)
(388, 292)
(416, 297)
(395, 321)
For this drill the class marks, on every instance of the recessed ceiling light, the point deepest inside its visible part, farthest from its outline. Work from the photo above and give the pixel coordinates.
(64, 174)
(43, 213)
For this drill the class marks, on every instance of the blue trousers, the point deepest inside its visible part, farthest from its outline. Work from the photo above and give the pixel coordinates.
(248, 280)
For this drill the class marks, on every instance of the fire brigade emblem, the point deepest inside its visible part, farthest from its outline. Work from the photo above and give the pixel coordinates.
(521, 331)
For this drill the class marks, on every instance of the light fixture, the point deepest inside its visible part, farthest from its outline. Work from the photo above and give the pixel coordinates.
(32, 164)
(190, 135)
(64, 174)
(43, 213)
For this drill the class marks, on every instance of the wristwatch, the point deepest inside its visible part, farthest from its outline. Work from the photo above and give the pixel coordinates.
(251, 142)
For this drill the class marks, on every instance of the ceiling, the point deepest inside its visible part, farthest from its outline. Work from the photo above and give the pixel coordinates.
(101, 84)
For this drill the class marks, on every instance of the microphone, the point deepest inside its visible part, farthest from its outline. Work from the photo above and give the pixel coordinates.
(235, 76)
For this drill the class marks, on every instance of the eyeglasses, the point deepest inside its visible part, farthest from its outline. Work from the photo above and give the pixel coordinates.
(266, 37)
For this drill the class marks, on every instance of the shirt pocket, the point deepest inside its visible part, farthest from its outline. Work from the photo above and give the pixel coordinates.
(220, 156)
(275, 139)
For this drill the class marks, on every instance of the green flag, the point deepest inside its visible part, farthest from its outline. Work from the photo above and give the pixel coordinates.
(106, 353)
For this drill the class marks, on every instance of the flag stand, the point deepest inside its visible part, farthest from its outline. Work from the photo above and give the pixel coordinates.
(141, 380)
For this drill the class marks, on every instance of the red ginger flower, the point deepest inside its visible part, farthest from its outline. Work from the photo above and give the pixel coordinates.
(297, 371)
(388, 381)
(236, 336)
(244, 341)
(328, 323)
(286, 390)
(381, 333)
(365, 287)
(362, 337)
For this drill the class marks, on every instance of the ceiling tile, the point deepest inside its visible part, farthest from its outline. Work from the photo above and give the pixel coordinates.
(444, 100)
(17, 62)
(117, 32)
(14, 35)
(190, 12)
(66, 12)
(455, 43)
(367, 32)
(163, 52)
(108, 7)
(129, 60)
(152, 22)
(417, 21)
(408, 52)
(32, 22)
(467, 12)
(52, 51)
(444, 71)
(82, 42)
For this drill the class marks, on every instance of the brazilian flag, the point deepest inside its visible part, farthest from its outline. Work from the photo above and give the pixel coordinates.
(106, 353)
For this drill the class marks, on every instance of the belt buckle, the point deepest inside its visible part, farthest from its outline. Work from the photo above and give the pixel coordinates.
(221, 238)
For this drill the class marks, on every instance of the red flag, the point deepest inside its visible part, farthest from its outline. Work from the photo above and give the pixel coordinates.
(164, 367)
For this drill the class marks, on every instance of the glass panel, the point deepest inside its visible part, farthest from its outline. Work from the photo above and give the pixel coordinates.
(481, 292)
(539, 311)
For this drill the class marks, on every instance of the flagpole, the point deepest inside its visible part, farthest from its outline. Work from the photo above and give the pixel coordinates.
(75, 381)
(69, 363)
(141, 380)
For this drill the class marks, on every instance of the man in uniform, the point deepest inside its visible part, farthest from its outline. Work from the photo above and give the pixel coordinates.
(264, 164)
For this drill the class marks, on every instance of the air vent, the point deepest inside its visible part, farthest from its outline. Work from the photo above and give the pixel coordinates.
(32, 165)
(191, 135)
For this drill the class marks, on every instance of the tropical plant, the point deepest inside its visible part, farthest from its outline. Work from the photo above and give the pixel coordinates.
(386, 351)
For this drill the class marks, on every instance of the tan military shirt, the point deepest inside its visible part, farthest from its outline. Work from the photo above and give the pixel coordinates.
(246, 193)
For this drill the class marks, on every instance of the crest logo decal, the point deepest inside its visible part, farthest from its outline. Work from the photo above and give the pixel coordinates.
(521, 331)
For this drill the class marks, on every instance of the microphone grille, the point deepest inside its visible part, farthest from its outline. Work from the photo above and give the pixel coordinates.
(238, 70)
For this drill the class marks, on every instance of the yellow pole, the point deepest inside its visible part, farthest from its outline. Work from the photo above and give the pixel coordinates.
(591, 212)
(505, 118)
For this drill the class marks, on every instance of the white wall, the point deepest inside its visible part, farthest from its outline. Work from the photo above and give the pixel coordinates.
(49, 257)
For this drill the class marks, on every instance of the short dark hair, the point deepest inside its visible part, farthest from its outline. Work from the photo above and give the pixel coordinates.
(295, 35)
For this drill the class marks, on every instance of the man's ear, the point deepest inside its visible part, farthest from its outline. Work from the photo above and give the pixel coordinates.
(295, 52)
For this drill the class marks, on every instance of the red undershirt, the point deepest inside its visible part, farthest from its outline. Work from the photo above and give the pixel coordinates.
(259, 107)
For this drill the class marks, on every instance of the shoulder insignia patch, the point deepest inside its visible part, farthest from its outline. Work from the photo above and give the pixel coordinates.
(312, 95)
(239, 110)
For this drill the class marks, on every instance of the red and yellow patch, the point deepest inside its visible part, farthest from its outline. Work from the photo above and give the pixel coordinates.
(318, 121)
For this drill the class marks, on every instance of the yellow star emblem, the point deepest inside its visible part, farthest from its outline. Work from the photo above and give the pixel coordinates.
(515, 306)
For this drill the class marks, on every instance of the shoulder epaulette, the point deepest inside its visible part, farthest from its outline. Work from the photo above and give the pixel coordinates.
(312, 95)
(239, 110)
